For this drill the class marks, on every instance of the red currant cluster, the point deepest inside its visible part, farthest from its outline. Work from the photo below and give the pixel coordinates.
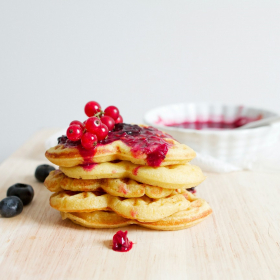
(96, 127)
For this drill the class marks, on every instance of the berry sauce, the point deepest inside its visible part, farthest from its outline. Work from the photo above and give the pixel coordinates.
(192, 190)
(135, 170)
(209, 124)
(88, 166)
(141, 140)
(121, 242)
(87, 154)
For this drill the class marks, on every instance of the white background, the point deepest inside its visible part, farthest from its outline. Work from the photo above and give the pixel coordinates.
(57, 55)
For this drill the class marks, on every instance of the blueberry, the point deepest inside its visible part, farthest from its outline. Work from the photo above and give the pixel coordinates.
(43, 171)
(62, 139)
(10, 206)
(23, 191)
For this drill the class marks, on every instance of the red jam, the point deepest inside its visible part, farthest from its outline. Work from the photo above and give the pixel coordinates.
(208, 124)
(87, 154)
(121, 242)
(135, 170)
(142, 140)
(88, 166)
(192, 190)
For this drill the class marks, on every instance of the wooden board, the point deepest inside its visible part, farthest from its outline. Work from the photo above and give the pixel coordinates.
(241, 240)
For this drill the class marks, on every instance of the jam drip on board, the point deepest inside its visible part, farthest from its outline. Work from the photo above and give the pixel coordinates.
(121, 242)
(141, 140)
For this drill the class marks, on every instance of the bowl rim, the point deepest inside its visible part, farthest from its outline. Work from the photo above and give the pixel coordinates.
(205, 131)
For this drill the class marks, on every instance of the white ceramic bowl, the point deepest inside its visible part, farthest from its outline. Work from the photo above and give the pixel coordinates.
(230, 145)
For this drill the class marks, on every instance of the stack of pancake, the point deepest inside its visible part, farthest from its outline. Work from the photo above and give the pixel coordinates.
(114, 184)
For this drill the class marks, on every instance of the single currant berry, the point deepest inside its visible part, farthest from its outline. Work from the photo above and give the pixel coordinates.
(108, 121)
(119, 119)
(89, 140)
(10, 206)
(42, 172)
(74, 132)
(112, 112)
(102, 132)
(23, 191)
(92, 108)
(93, 124)
(78, 123)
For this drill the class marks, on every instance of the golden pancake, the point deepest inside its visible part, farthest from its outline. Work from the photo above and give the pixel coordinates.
(57, 181)
(197, 211)
(170, 177)
(68, 201)
(135, 175)
(146, 209)
(141, 148)
(142, 209)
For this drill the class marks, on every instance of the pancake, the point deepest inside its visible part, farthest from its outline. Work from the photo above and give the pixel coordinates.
(170, 177)
(142, 209)
(57, 181)
(197, 211)
(138, 144)
(136, 175)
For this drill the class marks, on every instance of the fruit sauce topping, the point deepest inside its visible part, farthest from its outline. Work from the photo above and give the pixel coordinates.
(209, 124)
(105, 127)
(142, 140)
(87, 154)
(121, 242)
(192, 190)
(135, 170)
(88, 166)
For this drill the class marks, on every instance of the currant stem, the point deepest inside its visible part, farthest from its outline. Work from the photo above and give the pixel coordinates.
(99, 114)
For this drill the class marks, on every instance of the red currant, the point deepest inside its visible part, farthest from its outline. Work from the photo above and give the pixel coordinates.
(108, 121)
(74, 132)
(92, 108)
(112, 112)
(89, 140)
(119, 119)
(102, 132)
(78, 123)
(93, 124)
